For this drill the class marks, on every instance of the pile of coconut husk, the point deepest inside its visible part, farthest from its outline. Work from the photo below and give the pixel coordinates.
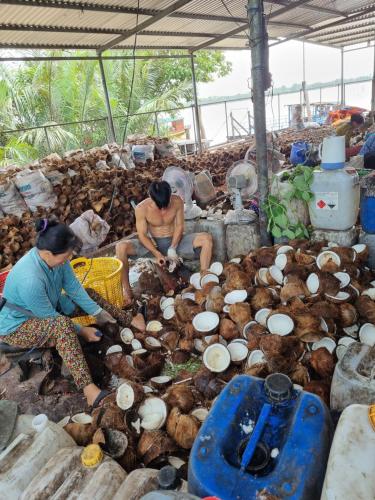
(313, 136)
(291, 309)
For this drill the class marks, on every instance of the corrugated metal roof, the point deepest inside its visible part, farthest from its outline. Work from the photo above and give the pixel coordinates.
(179, 23)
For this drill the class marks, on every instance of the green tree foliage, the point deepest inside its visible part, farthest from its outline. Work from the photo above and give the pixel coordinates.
(47, 93)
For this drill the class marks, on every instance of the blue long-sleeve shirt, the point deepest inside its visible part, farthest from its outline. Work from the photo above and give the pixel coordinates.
(34, 286)
(369, 145)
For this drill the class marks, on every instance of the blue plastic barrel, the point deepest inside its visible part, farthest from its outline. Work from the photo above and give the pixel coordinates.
(367, 213)
(298, 152)
(262, 435)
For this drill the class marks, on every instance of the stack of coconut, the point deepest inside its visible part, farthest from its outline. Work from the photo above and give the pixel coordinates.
(292, 309)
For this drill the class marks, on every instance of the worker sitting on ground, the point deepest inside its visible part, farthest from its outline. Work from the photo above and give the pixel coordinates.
(160, 227)
(35, 312)
(349, 128)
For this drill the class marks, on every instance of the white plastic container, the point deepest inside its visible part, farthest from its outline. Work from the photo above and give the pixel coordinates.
(332, 152)
(65, 477)
(27, 453)
(350, 471)
(336, 199)
(354, 378)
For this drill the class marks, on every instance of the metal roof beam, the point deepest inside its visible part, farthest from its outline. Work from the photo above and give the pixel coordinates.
(366, 21)
(239, 29)
(368, 35)
(333, 12)
(145, 24)
(333, 36)
(312, 31)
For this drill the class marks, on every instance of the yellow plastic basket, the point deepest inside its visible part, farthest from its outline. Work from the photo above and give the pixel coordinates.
(103, 275)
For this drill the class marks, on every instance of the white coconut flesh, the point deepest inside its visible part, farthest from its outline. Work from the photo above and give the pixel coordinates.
(344, 279)
(209, 278)
(226, 309)
(367, 334)
(352, 330)
(236, 260)
(162, 299)
(153, 413)
(139, 352)
(359, 248)
(200, 413)
(346, 341)
(188, 295)
(255, 357)
(235, 296)
(262, 315)
(262, 274)
(176, 462)
(195, 280)
(125, 396)
(161, 380)
(323, 325)
(326, 342)
(206, 321)
(325, 257)
(223, 341)
(216, 358)
(154, 326)
(372, 283)
(126, 335)
(169, 312)
(82, 418)
(247, 328)
(340, 297)
(276, 274)
(340, 351)
(237, 351)
(239, 341)
(136, 344)
(281, 261)
(64, 421)
(152, 343)
(113, 349)
(285, 249)
(355, 290)
(216, 268)
(199, 345)
(313, 283)
(167, 303)
(280, 324)
(147, 389)
(370, 292)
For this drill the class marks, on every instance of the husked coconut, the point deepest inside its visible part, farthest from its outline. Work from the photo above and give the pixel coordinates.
(240, 313)
(295, 288)
(153, 445)
(128, 394)
(228, 329)
(262, 298)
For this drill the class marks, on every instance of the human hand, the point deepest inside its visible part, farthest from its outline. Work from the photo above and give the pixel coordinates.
(104, 317)
(89, 334)
(160, 259)
(172, 254)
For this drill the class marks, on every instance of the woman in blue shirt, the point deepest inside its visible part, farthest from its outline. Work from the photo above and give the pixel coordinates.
(40, 316)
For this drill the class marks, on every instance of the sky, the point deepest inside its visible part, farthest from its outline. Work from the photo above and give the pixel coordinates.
(323, 64)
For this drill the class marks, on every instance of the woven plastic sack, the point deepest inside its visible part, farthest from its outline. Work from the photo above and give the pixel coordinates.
(36, 189)
(143, 152)
(91, 229)
(11, 202)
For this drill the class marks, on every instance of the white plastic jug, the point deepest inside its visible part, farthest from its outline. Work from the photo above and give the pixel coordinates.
(65, 477)
(27, 453)
(350, 471)
(354, 378)
(336, 199)
(332, 152)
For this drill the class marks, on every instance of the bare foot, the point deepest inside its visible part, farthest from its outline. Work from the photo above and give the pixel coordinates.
(139, 322)
(91, 392)
(89, 334)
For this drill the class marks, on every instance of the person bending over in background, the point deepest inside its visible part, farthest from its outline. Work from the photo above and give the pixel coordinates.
(160, 227)
(350, 128)
(35, 311)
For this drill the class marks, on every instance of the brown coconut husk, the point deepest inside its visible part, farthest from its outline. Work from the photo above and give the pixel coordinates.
(366, 308)
(81, 433)
(109, 417)
(300, 375)
(265, 257)
(304, 259)
(182, 428)
(228, 329)
(322, 361)
(321, 388)
(185, 309)
(182, 397)
(240, 313)
(215, 300)
(258, 370)
(348, 315)
(307, 327)
(170, 340)
(294, 288)
(328, 283)
(237, 280)
(179, 357)
(153, 445)
(324, 309)
(262, 298)
(346, 254)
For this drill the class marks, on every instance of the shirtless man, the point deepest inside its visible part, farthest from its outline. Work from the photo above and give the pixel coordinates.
(160, 227)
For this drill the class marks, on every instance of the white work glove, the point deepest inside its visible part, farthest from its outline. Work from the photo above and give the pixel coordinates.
(104, 317)
(173, 258)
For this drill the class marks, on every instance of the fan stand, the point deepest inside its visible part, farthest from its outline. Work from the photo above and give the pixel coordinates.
(239, 215)
(192, 211)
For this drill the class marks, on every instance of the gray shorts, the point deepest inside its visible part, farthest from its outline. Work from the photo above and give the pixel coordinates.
(185, 248)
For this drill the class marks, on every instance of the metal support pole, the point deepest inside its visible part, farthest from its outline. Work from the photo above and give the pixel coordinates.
(342, 78)
(373, 87)
(304, 89)
(196, 110)
(226, 118)
(278, 110)
(112, 134)
(258, 65)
